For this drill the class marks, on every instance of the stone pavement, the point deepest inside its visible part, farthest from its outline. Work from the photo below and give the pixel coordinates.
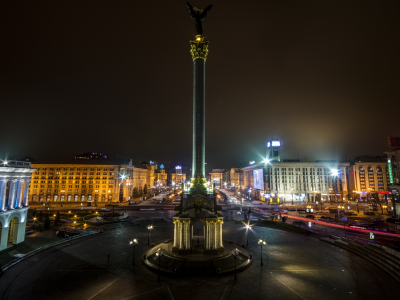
(295, 267)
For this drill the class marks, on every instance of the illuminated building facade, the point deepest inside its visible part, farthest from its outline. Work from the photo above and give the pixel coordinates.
(160, 177)
(176, 175)
(393, 160)
(300, 181)
(233, 178)
(217, 177)
(371, 175)
(14, 196)
(88, 181)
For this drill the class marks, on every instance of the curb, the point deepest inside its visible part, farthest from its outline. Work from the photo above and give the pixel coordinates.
(43, 248)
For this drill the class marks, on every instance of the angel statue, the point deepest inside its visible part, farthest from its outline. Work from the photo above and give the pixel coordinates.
(198, 15)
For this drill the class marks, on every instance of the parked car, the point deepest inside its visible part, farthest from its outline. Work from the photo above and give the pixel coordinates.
(369, 213)
(65, 233)
(284, 211)
(377, 220)
(29, 232)
(105, 209)
(350, 213)
(18, 256)
(310, 216)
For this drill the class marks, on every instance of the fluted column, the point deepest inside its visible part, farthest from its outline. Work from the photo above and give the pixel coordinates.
(207, 235)
(180, 235)
(215, 235)
(11, 194)
(175, 232)
(18, 199)
(220, 233)
(3, 194)
(26, 192)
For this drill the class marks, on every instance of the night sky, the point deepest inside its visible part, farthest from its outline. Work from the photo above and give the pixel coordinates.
(116, 77)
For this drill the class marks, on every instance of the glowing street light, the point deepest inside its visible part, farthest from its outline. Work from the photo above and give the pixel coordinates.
(261, 243)
(235, 253)
(247, 233)
(133, 242)
(266, 161)
(149, 228)
(159, 254)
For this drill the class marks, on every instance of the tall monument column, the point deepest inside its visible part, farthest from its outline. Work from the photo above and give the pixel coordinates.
(199, 51)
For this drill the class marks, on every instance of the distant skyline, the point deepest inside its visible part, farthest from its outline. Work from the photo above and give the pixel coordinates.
(117, 78)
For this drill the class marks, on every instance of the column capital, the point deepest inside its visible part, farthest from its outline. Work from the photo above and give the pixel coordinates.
(199, 48)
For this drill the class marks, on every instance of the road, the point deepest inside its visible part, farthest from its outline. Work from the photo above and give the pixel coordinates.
(295, 267)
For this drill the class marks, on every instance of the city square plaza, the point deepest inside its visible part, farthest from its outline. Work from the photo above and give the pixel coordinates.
(295, 266)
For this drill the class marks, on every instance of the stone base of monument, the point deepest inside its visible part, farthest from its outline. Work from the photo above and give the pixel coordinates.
(196, 261)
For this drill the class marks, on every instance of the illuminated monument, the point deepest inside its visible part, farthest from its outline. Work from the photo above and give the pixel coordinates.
(197, 247)
(198, 203)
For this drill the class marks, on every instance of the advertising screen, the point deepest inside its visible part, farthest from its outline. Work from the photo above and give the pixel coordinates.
(258, 179)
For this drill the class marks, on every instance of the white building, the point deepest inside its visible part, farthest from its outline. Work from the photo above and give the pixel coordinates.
(14, 189)
(300, 181)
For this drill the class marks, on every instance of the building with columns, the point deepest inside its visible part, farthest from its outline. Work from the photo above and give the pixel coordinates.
(14, 196)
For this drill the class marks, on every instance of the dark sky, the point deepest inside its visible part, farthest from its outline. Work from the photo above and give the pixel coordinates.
(116, 77)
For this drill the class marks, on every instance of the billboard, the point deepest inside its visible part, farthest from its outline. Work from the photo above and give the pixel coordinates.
(258, 179)
(274, 143)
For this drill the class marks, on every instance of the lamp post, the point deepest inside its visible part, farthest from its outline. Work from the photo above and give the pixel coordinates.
(247, 233)
(150, 227)
(159, 254)
(235, 253)
(261, 243)
(133, 243)
(335, 173)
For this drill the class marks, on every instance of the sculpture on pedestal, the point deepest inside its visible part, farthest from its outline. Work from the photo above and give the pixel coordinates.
(198, 204)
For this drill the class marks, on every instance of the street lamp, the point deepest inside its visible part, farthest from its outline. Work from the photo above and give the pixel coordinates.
(247, 232)
(335, 173)
(235, 253)
(133, 242)
(261, 243)
(149, 228)
(159, 254)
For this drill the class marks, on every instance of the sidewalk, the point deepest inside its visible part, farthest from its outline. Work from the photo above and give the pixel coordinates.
(32, 242)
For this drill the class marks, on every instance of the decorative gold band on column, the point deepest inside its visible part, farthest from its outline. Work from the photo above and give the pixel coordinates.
(199, 48)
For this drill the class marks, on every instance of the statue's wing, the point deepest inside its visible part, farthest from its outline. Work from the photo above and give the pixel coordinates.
(191, 11)
(204, 13)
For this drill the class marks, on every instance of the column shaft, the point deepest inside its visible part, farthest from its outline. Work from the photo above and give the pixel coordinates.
(19, 195)
(11, 194)
(26, 192)
(3, 185)
(175, 229)
(199, 118)
(220, 235)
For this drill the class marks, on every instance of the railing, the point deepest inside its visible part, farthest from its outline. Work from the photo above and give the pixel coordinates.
(16, 164)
